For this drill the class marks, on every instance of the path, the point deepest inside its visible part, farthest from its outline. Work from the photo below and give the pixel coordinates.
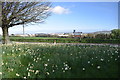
(115, 45)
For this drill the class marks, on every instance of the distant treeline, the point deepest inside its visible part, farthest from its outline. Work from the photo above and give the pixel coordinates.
(113, 37)
(115, 34)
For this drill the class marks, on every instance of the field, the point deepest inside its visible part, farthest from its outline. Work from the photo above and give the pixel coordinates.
(44, 39)
(59, 61)
(35, 38)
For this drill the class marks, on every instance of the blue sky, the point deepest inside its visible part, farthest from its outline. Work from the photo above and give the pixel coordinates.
(81, 16)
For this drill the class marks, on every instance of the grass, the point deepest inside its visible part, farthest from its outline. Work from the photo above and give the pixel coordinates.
(37, 38)
(44, 39)
(59, 61)
(64, 40)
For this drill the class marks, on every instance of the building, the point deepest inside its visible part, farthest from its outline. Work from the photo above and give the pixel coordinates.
(77, 34)
(42, 35)
(64, 35)
(20, 35)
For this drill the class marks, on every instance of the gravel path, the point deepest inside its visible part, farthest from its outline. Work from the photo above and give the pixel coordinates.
(115, 45)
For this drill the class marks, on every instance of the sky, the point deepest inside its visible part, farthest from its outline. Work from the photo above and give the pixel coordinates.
(80, 16)
(62, 0)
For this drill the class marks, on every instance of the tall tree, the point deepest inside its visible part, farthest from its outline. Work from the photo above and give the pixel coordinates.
(0, 14)
(115, 33)
(18, 13)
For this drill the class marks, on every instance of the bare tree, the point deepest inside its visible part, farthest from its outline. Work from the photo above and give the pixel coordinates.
(17, 13)
(0, 14)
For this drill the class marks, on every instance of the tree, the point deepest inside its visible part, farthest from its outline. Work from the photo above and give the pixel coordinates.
(102, 36)
(18, 13)
(115, 33)
(90, 35)
(0, 14)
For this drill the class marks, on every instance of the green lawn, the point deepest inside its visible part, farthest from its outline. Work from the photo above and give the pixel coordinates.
(44, 39)
(64, 40)
(37, 38)
(59, 61)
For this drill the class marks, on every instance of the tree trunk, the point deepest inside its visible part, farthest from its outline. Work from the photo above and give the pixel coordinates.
(6, 39)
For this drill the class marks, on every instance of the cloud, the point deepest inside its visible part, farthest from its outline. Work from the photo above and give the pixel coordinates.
(60, 10)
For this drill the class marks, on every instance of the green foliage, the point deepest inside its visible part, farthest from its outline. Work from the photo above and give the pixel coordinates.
(115, 33)
(94, 40)
(103, 36)
(60, 61)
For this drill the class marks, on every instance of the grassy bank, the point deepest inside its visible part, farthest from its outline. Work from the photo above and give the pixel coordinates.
(60, 61)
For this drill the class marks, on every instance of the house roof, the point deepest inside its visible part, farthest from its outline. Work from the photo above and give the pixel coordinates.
(77, 32)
